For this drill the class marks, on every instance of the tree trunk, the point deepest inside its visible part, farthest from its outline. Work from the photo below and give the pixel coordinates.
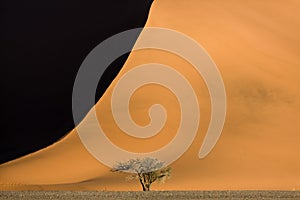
(144, 180)
(147, 186)
(142, 183)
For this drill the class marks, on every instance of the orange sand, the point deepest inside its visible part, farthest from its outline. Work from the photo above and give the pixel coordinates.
(256, 46)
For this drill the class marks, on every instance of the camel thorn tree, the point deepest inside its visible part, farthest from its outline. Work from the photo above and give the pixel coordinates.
(146, 170)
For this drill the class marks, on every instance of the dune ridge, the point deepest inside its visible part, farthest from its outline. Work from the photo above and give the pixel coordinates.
(255, 44)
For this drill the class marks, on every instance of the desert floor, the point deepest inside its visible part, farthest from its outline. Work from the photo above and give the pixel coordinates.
(151, 195)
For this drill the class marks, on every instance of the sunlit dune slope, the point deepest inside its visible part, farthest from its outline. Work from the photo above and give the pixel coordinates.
(256, 46)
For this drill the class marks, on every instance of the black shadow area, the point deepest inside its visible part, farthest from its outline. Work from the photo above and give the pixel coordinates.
(42, 45)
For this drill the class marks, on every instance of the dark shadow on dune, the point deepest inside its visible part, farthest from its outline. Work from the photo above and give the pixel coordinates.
(43, 44)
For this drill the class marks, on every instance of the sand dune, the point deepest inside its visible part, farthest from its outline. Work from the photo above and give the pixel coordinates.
(256, 46)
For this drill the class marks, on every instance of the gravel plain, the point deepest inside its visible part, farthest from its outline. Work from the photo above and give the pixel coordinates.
(162, 195)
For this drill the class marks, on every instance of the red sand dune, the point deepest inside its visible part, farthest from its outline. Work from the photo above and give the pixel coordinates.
(256, 46)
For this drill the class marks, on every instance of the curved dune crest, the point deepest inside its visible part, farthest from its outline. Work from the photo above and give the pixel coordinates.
(256, 47)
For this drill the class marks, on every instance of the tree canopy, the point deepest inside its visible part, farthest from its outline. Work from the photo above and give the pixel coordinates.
(146, 170)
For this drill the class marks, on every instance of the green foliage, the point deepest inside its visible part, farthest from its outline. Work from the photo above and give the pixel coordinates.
(146, 170)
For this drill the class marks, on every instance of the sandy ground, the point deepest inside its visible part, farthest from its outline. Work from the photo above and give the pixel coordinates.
(286, 195)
